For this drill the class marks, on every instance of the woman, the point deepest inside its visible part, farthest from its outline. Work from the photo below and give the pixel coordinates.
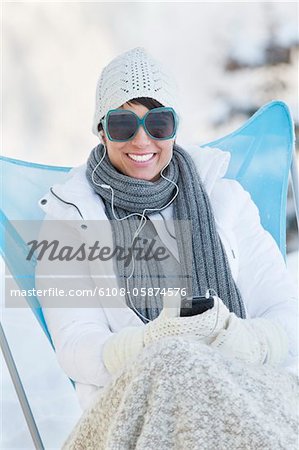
(152, 190)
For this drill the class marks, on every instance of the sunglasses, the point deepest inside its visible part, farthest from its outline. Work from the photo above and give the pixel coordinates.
(121, 125)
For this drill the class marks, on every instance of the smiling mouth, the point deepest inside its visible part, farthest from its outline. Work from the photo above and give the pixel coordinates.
(141, 158)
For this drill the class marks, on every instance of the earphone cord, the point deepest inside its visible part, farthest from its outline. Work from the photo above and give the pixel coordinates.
(140, 227)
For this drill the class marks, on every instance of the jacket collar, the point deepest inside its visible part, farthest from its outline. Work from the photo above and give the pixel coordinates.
(211, 164)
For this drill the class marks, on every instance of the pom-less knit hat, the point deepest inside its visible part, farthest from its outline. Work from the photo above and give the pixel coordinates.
(131, 75)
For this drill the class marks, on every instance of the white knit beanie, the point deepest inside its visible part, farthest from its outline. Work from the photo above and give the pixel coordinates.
(131, 75)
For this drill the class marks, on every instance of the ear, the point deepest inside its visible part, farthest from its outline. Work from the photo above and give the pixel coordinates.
(103, 138)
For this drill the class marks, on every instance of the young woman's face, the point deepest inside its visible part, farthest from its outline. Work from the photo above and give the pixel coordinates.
(121, 154)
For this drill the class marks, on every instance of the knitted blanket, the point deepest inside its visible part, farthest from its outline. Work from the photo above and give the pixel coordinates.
(183, 395)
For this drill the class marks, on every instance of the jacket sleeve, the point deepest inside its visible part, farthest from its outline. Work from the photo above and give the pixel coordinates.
(78, 331)
(263, 279)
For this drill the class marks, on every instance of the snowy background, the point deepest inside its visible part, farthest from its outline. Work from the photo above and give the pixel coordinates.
(228, 59)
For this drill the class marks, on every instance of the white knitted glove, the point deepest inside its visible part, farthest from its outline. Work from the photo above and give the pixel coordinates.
(205, 326)
(123, 347)
(257, 341)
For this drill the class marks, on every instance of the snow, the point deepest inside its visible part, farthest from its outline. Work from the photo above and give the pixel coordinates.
(53, 53)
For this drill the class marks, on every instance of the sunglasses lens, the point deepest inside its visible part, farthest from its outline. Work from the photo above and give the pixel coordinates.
(160, 124)
(121, 125)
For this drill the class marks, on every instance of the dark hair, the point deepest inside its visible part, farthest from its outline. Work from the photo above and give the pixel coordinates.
(148, 102)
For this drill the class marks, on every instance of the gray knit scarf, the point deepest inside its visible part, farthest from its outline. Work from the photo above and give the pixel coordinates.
(210, 267)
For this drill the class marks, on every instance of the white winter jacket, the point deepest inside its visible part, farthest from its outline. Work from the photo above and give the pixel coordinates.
(256, 263)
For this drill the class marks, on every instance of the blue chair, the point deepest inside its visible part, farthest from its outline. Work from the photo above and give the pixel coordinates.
(261, 158)
(262, 154)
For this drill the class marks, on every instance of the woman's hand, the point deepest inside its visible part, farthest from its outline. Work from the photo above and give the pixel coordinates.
(257, 341)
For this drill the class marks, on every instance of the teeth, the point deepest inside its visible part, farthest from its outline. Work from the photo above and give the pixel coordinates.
(140, 157)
